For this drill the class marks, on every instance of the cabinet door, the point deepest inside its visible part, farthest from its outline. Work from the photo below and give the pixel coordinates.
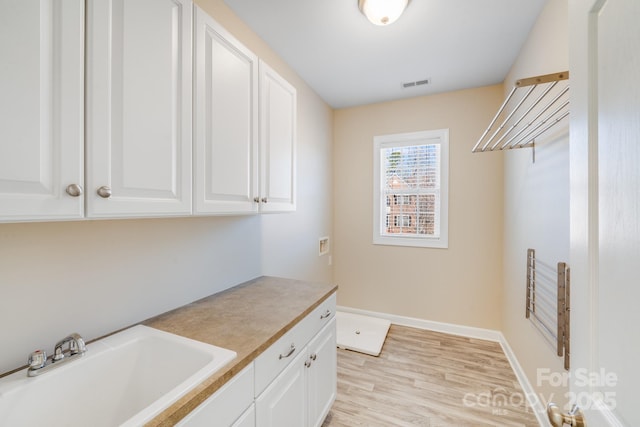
(283, 403)
(322, 374)
(138, 107)
(226, 99)
(277, 142)
(41, 109)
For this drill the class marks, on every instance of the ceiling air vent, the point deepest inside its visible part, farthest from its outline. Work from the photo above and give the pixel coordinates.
(407, 85)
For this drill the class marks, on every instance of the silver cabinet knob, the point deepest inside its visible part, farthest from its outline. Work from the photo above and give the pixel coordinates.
(74, 190)
(264, 200)
(104, 192)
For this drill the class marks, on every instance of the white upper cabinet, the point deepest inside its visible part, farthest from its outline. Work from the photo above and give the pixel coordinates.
(277, 142)
(41, 109)
(96, 114)
(226, 121)
(138, 112)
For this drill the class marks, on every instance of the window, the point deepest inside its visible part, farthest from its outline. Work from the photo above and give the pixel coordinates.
(411, 189)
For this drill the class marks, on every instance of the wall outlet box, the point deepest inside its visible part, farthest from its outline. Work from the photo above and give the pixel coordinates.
(323, 246)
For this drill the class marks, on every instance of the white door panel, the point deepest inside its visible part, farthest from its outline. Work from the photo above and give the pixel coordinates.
(277, 142)
(139, 107)
(41, 109)
(226, 91)
(605, 207)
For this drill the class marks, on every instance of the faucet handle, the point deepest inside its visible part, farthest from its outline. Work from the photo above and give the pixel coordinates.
(37, 359)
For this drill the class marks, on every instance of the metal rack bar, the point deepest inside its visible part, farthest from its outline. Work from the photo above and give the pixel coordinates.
(521, 112)
(533, 120)
(495, 118)
(534, 105)
(548, 308)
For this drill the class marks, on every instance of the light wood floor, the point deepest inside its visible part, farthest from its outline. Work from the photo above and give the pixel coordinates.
(424, 378)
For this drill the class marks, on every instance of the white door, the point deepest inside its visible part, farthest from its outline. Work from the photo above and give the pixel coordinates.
(322, 374)
(226, 121)
(277, 142)
(283, 403)
(605, 209)
(138, 107)
(41, 109)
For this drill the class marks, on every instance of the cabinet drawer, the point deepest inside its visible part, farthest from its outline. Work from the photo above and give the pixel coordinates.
(322, 315)
(270, 363)
(226, 405)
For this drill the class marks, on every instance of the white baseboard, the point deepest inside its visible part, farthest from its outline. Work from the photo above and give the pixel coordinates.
(447, 328)
(537, 406)
(469, 332)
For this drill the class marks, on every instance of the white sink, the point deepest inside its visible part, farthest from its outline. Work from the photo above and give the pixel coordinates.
(124, 379)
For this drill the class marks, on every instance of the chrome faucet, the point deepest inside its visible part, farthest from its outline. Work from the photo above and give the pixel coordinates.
(66, 349)
(75, 345)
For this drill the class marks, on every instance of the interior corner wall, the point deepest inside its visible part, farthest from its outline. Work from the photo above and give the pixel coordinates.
(536, 198)
(97, 276)
(460, 285)
(289, 242)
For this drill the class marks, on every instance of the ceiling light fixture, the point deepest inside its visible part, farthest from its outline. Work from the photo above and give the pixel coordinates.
(382, 12)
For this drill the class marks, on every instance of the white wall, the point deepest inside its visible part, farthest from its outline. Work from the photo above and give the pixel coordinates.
(93, 277)
(536, 198)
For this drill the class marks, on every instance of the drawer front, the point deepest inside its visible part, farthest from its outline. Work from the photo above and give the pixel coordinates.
(322, 315)
(270, 363)
(226, 405)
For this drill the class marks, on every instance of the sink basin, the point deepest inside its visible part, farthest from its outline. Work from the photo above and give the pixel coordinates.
(124, 379)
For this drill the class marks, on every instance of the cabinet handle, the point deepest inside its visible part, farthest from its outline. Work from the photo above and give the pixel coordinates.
(326, 314)
(74, 190)
(307, 363)
(313, 356)
(256, 200)
(291, 350)
(264, 200)
(104, 192)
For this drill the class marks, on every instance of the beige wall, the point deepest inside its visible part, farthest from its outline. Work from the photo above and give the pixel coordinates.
(461, 284)
(97, 276)
(536, 202)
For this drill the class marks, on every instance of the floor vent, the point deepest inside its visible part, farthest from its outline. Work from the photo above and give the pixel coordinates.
(416, 83)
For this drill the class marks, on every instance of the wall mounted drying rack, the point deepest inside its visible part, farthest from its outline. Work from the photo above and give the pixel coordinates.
(533, 106)
(548, 303)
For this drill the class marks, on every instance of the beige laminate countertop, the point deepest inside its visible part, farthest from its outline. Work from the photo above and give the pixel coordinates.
(247, 319)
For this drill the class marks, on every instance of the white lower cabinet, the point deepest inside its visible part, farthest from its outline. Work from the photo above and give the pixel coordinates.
(303, 392)
(322, 375)
(248, 419)
(291, 384)
(229, 406)
(283, 403)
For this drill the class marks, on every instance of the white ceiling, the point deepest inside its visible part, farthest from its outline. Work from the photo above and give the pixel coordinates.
(348, 61)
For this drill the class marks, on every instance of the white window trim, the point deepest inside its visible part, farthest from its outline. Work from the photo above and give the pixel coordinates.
(440, 136)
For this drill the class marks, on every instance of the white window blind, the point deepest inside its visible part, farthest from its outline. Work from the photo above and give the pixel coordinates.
(410, 197)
